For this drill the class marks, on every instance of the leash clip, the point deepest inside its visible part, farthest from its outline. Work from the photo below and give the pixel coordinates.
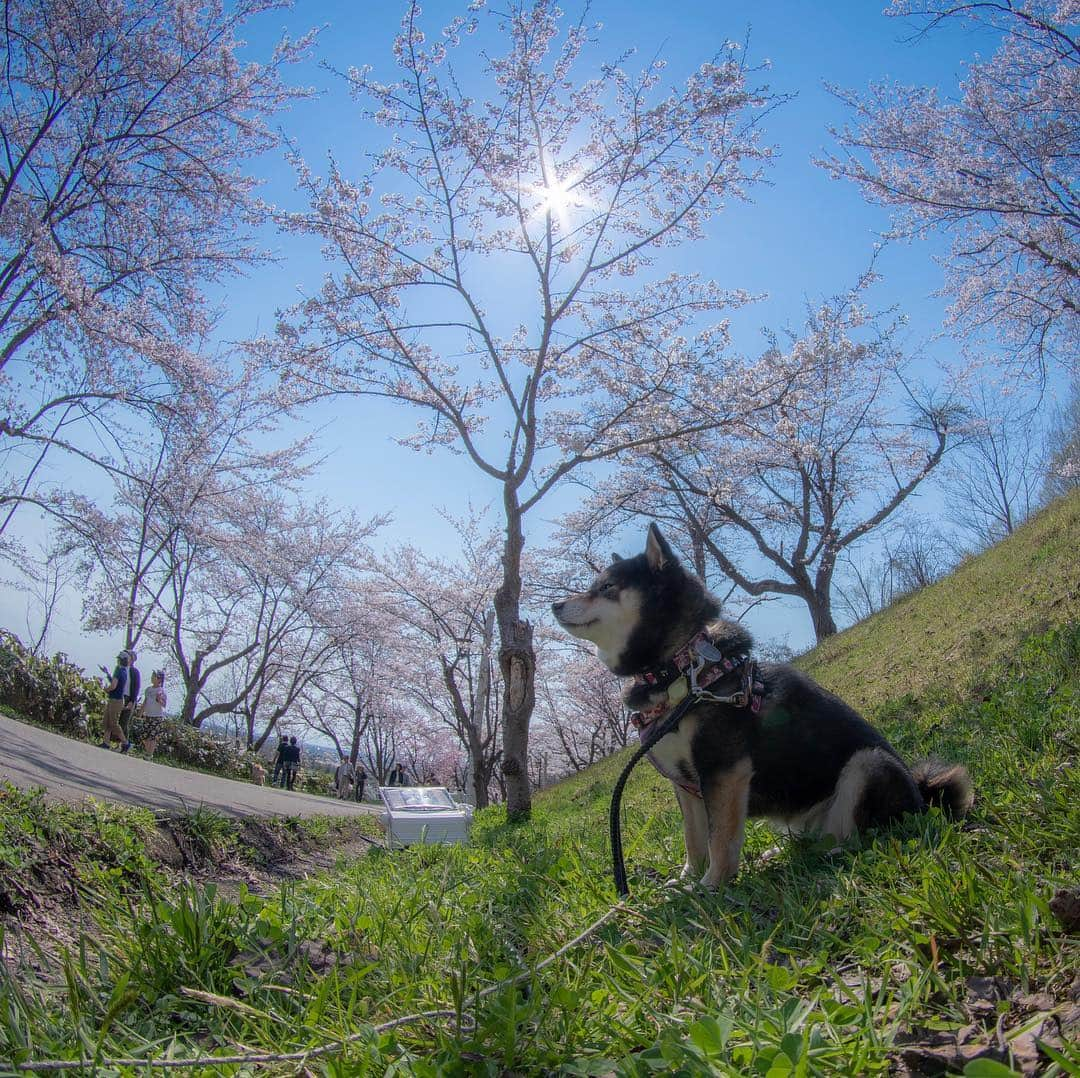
(697, 664)
(702, 653)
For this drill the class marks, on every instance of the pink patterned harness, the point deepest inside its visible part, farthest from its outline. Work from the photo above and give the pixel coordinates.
(700, 665)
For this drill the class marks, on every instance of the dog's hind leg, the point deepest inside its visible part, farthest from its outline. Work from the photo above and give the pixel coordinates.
(695, 831)
(873, 789)
(726, 797)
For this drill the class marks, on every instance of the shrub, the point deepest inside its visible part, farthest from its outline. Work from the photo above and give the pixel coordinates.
(53, 692)
(316, 780)
(189, 747)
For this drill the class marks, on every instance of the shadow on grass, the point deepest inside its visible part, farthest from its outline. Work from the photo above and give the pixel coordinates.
(774, 902)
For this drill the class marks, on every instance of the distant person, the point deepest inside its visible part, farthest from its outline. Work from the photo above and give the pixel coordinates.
(400, 778)
(343, 779)
(278, 777)
(292, 763)
(154, 703)
(131, 696)
(359, 778)
(114, 703)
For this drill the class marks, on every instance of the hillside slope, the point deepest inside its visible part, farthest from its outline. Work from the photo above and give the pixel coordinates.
(966, 627)
(928, 948)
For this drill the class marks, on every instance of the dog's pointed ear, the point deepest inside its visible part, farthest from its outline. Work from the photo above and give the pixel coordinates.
(615, 558)
(657, 552)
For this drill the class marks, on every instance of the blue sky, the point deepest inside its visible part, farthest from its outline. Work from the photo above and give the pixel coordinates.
(804, 235)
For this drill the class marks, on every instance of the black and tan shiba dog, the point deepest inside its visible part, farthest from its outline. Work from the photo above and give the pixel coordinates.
(762, 739)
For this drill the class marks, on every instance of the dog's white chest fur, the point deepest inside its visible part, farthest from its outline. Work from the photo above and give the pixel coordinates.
(671, 754)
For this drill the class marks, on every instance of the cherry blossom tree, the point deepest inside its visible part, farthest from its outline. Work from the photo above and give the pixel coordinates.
(392, 735)
(259, 590)
(343, 696)
(501, 268)
(1062, 472)
(581, 705)
(995, 168)
(992, 483)
(444, 614)
(353, 702)
(774, 501)
(181, 472)
(125, 129)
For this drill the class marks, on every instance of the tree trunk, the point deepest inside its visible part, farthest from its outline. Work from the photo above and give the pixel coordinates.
(517, 662)
(821, 615)
(187, 711)
(820, 599)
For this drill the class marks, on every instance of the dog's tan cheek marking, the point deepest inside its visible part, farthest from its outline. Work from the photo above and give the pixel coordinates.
(726, 802)
(611, 635)
(577, 610)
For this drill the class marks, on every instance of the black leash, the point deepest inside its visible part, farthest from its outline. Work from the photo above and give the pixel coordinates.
(665, 728)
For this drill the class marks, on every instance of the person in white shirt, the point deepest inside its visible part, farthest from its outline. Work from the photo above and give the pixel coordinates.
(153, 708)
(154, 699)
(343, 778)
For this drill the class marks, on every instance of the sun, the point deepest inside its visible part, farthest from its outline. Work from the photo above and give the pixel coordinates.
(558, 198)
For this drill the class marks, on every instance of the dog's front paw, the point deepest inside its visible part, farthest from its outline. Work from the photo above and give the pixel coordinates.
(686, 878)
(680, 883)
(713, 881)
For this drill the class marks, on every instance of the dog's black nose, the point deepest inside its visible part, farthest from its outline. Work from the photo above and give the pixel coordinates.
(556, 608)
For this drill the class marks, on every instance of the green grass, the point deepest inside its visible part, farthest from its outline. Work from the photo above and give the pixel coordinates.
(960, 632)
(809, 964)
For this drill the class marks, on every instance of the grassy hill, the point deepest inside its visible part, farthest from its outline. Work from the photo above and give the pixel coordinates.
(927, 948)
(961, 632)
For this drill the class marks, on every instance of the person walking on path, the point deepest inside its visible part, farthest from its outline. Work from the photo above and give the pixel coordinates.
(153, 711)
(359, 778)
(292, 763)
(114, 704)
(278, 777)
(131, 696)
(343, 778)
(401, 779)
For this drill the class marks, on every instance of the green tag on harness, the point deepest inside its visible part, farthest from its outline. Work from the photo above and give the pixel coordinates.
(677, 690)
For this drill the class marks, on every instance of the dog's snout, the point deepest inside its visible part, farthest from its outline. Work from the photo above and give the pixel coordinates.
(556, 608)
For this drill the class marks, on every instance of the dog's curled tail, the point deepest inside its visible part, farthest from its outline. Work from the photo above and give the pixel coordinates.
(947, 786)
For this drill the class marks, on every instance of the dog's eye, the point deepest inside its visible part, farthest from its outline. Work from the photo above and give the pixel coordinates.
(609, 588)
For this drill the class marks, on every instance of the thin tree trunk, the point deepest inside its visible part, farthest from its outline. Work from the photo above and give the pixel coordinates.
(357, 731)
(477, 773)
(517, 662)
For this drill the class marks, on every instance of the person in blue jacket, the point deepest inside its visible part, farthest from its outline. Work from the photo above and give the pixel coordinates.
(115, 692)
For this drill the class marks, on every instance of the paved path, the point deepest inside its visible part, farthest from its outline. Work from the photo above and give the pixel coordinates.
(72, 770)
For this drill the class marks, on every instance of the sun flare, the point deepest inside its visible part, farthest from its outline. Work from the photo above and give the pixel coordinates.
(558, 198)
